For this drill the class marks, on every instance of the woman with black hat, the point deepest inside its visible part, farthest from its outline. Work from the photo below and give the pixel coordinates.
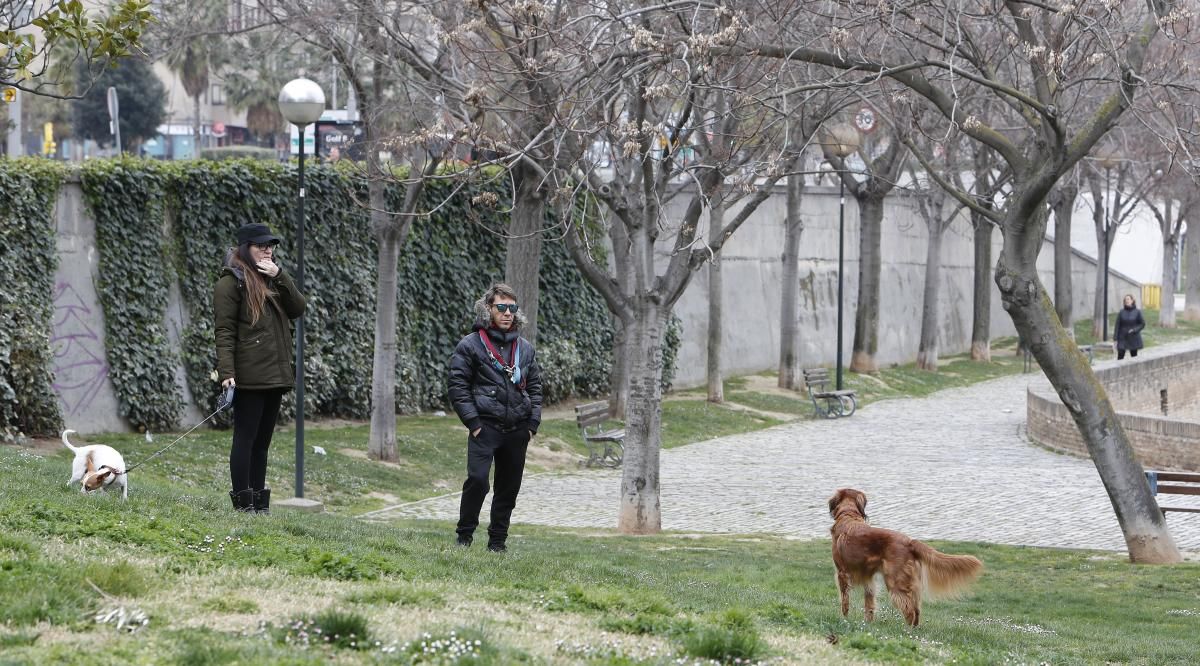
(254, 302)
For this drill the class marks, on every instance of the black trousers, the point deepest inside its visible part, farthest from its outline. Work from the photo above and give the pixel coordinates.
(1121, 353)
(254, 417)
(507, 449)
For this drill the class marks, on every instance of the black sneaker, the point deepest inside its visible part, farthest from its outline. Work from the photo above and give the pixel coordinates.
(497, 547)
(464, 540)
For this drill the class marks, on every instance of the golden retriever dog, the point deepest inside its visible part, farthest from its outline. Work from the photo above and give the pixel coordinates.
(909, 567)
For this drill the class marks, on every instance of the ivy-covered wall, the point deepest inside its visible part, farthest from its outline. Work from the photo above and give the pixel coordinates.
(28, 259)
(160, 222)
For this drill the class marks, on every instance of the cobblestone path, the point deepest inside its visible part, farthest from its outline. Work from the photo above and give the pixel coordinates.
(951, 466)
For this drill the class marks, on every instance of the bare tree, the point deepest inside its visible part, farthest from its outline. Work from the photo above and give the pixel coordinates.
(648, 108)
(789, 305)
(1032, 59)
(938, 210)
(1175, 201)
(1113, 206)
(883, 160)
(716, 224)
(397, 72)
(987, 184)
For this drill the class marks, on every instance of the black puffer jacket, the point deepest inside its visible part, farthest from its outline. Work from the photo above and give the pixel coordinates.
(480, 392)
(1128, 329)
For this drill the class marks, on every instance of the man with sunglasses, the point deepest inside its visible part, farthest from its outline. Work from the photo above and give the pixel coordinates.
(496, 390)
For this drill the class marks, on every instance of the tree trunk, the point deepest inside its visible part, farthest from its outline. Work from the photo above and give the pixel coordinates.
(391, 233)
(1063, 204)
(981, 315)
(716, 221)
(623, 274)
(1191, 294)
(382, 441)
(927, 351)
(619, 377)
(1166, 308)
(1099, 306)
(866, 313)
(1032, 312)
(789, 319)
(522, 262)
(196, 124)
(1101, 221)
(640, 511)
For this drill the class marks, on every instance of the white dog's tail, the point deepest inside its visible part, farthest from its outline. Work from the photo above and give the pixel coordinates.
(66, 442)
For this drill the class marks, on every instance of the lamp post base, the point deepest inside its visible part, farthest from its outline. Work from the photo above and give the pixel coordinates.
(300, 504)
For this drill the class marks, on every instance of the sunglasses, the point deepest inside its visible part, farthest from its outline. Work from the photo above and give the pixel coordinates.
(506, 307)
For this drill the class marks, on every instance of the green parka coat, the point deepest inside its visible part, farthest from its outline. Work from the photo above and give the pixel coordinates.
(258, 356)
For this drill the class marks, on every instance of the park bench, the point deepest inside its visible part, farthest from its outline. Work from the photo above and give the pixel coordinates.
(605, 445)
(1185, 483)
(829, 404)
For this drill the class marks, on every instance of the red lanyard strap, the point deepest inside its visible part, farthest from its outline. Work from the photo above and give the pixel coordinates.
(493, 351)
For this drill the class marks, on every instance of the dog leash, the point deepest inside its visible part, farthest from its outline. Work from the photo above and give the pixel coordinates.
(225, 402)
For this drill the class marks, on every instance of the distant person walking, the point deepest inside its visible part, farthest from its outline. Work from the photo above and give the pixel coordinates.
(496, 390)
(1128, 330)
(254, 302)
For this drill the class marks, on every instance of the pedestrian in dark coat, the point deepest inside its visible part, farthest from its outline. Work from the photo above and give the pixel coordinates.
(1128, 329)
(254, 303)
(496, 390)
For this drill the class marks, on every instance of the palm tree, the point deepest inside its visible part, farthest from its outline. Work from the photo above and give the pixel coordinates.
(197, 49)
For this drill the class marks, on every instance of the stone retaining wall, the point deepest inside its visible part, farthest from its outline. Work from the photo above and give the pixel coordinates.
(1134, 386)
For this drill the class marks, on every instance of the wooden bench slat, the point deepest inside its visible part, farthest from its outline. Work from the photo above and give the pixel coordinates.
(834, 394)
(1178, 476)
(607, 436)
(1178, 490)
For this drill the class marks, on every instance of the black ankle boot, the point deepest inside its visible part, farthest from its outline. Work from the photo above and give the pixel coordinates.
(243, 500)
(262, 501)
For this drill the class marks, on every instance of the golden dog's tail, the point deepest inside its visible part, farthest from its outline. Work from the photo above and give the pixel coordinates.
(945, 575)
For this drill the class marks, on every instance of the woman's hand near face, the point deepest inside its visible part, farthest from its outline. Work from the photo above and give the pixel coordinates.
(267, 268)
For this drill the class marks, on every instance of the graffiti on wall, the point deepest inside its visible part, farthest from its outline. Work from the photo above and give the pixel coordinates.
(80, 368)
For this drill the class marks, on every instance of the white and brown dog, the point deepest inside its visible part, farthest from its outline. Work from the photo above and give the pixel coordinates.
(96, 467)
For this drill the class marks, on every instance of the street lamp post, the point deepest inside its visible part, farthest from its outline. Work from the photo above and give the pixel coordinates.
(301, 102)
(841, 141)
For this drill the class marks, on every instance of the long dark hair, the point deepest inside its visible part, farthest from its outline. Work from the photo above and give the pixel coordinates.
(256, 286)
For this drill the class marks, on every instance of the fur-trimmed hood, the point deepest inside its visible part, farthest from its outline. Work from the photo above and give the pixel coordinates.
(483, 317)
(232, 268)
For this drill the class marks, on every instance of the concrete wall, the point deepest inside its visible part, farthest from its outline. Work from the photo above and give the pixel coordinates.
(1134, 386)
(81, 371)
(753, 287)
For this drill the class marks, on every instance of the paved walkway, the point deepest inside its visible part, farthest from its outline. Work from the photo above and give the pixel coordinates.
(955, 465)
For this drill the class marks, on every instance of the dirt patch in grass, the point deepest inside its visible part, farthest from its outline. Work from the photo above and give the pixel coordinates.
(362, 455)
(541, 454)
(388, 498)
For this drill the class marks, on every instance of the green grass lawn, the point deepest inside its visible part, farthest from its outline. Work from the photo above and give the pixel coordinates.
(225, 588)
(217, 587)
